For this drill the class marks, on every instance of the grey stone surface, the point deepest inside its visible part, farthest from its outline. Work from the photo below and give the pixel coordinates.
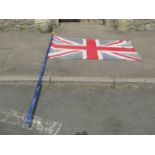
(17, 24)
(27, 24)
(133, 24)
(142, 25)
(45, 27)
(29, 48)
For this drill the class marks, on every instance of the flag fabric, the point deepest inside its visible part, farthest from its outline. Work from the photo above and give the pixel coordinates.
(92, 49)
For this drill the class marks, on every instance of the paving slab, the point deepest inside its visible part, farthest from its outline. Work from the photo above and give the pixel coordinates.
(27, 50)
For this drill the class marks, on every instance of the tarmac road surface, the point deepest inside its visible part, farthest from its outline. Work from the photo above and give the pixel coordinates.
(82, 108)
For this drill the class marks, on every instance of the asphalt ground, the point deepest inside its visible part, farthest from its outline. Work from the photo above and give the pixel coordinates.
(95, 109)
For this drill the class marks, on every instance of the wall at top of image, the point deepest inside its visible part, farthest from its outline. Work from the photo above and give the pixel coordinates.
(46, 25)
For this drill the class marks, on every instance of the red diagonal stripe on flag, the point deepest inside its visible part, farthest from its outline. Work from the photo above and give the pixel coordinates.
(121, 49)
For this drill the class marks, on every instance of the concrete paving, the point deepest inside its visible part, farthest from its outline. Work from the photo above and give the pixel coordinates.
(22, 53)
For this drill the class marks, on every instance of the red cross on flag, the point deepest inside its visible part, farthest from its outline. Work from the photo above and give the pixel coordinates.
(92, 49)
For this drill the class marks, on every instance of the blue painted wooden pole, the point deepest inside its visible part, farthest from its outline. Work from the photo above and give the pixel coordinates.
(35, 96)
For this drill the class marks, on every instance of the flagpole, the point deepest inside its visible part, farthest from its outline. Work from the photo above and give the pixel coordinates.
(36, 92)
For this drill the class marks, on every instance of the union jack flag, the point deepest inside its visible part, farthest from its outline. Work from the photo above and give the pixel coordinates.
(74, 48)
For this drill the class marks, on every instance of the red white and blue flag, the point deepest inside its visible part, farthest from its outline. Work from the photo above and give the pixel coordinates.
(92, 49)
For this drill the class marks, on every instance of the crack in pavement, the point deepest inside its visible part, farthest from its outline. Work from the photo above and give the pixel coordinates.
(8, 51)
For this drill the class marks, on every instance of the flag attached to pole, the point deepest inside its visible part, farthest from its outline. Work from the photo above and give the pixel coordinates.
(88, 49)
(38, 88)
(92, 49)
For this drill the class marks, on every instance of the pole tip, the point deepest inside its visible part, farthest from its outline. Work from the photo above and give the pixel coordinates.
(53, 33)
(28, 123)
